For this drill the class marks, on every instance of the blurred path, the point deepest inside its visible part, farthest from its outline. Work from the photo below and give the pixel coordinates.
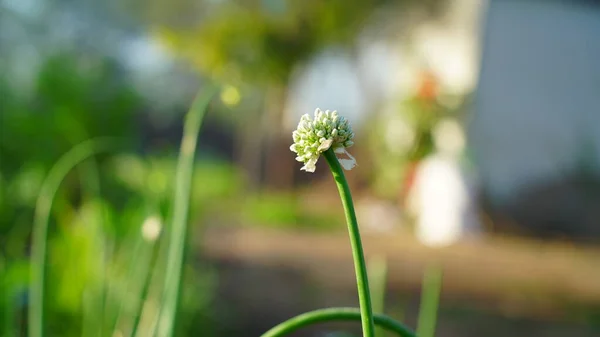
(515, 276)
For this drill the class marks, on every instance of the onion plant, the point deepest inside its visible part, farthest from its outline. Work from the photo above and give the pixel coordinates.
(329, 134)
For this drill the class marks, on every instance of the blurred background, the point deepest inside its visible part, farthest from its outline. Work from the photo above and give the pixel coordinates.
(478, 147)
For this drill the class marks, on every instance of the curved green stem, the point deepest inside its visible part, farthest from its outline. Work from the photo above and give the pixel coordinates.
(335, 314)
(360, 268)
(40, 225)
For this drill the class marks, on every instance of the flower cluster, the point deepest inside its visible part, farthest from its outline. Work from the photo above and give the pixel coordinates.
(315, 136)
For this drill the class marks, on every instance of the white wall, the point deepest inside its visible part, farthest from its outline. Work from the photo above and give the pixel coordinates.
(538, 99)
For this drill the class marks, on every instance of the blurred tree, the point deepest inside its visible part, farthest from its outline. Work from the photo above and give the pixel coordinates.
(258, 44)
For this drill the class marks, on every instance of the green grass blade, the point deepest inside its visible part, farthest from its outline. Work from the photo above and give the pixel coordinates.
(94, 297)
(10, 314)
(146, 321)
(378, 276)
(179, 227)
(137, 280)
(430, 297)
(40, 226)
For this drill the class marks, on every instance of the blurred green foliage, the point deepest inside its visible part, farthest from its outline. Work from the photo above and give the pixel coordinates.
(261, 42)
(93, 232)
(284, 210)
(71, 99)
(96, 234)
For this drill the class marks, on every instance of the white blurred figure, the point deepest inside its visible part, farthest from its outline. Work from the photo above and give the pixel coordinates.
(442, 197)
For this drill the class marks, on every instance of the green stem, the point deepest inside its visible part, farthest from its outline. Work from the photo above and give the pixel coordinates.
(378, 274)
(136, 283)
(40, 226)
(335, 314)
(430, 297)
(181, 202)
(95, 301)
(360, 268)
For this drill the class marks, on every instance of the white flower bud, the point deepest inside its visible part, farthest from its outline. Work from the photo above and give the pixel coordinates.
(316, 135)
(151, 228)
